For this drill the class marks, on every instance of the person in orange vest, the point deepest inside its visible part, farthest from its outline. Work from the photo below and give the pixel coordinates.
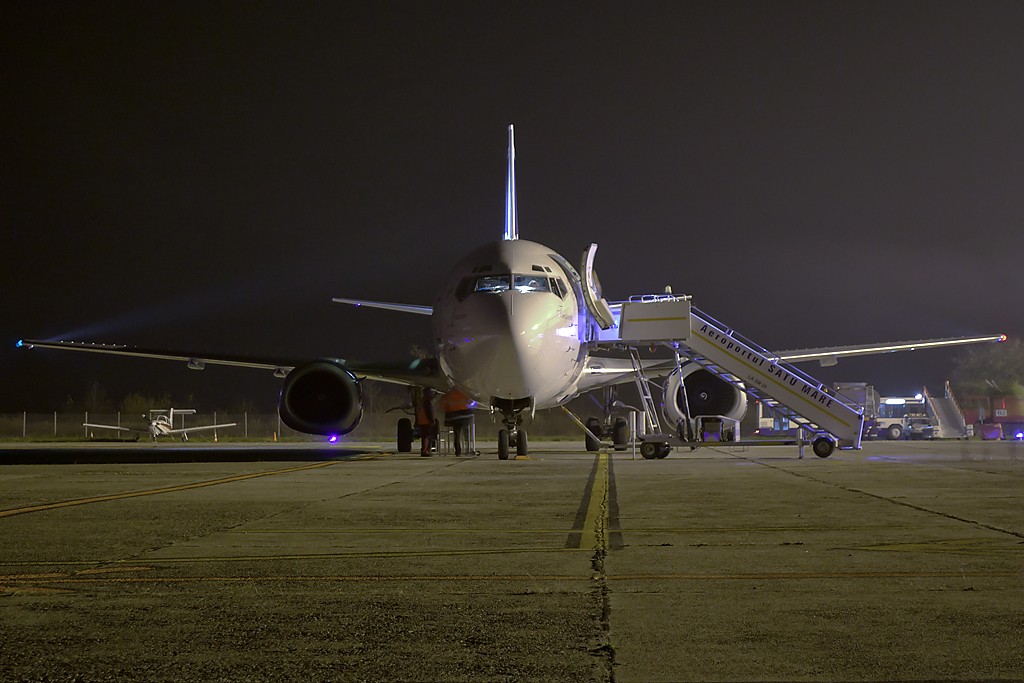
(425, 420)
(458, 414)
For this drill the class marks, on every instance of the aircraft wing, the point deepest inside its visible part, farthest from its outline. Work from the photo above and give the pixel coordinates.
(421, 372)
(195, 361)
(602, 371)
(606, 371)
(115, 428)
(186, 430)
(831, 355)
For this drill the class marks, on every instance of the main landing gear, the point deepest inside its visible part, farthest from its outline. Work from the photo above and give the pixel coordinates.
(405, 435)
(408, 433)
(617, 428)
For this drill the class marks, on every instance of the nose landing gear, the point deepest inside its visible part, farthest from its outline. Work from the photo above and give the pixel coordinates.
(513, 435)
(514, 438)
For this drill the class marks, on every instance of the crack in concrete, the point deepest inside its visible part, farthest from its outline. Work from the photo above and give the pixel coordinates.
(878, 496)
(604, 651)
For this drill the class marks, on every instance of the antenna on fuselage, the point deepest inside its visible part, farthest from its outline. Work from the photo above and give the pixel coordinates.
(511, 217)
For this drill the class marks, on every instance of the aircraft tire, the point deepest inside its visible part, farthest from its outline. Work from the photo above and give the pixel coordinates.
(594, 425)
(620, 434)
(522, 445)
(823, 446)
(649, 449)
(405, 435)
(503, 444)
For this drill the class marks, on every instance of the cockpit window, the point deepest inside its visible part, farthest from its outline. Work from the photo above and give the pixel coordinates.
(496, 284)
(493, 284)
(531, 283)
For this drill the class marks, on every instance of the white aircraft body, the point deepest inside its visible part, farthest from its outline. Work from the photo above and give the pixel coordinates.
(161, 423)
(518, 329)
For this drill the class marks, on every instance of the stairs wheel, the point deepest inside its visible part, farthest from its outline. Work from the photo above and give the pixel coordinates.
(650, 449)
(823, 446)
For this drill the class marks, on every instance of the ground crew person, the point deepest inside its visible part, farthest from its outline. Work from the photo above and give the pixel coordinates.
(458, 414)
(425, 420)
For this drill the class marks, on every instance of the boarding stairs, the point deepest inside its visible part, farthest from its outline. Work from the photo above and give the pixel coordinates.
(672, 321)
(946, 413)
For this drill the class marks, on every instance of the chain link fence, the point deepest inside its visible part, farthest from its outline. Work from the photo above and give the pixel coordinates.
(375, 426)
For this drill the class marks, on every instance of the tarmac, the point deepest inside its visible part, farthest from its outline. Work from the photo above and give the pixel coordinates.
(901, 561)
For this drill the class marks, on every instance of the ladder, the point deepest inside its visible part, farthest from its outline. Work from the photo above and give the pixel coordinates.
(652, 424)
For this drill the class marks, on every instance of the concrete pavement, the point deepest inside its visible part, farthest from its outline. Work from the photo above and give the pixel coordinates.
(899, 562)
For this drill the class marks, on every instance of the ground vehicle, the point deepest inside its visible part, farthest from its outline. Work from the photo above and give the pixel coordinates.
(918, 427)
(900, 416)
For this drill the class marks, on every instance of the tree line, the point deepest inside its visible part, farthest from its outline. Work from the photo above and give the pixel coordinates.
(990, 370)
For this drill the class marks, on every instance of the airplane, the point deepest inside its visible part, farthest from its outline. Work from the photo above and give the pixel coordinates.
(518, 329)
(161, 423)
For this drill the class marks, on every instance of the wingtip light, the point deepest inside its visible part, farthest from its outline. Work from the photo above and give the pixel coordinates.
(1002, 337)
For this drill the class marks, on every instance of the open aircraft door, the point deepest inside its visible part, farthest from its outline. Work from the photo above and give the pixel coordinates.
(592, 291)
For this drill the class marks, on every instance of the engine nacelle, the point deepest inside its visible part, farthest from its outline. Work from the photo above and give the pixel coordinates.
(706, 394)
(321, 398)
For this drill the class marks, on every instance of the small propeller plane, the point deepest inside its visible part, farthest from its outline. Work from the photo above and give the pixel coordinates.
(161, 423)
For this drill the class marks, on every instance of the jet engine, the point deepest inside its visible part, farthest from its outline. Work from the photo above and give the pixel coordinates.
(706, 394)
(321, 397)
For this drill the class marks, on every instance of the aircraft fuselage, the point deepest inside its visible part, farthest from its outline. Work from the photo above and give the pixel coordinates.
(509, 326)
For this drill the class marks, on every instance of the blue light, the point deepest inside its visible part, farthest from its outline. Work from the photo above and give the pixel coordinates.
(333, 439)
(1019, 436)
(21, 342)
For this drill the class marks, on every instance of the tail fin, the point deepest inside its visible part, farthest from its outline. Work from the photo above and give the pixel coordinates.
(511, 217)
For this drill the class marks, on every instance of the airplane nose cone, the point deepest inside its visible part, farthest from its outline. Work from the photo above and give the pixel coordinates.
(500, 348)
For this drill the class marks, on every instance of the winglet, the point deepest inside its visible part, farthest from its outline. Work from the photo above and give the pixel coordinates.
(511, 218)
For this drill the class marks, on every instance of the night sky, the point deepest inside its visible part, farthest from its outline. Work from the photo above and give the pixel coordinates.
(206, 176)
